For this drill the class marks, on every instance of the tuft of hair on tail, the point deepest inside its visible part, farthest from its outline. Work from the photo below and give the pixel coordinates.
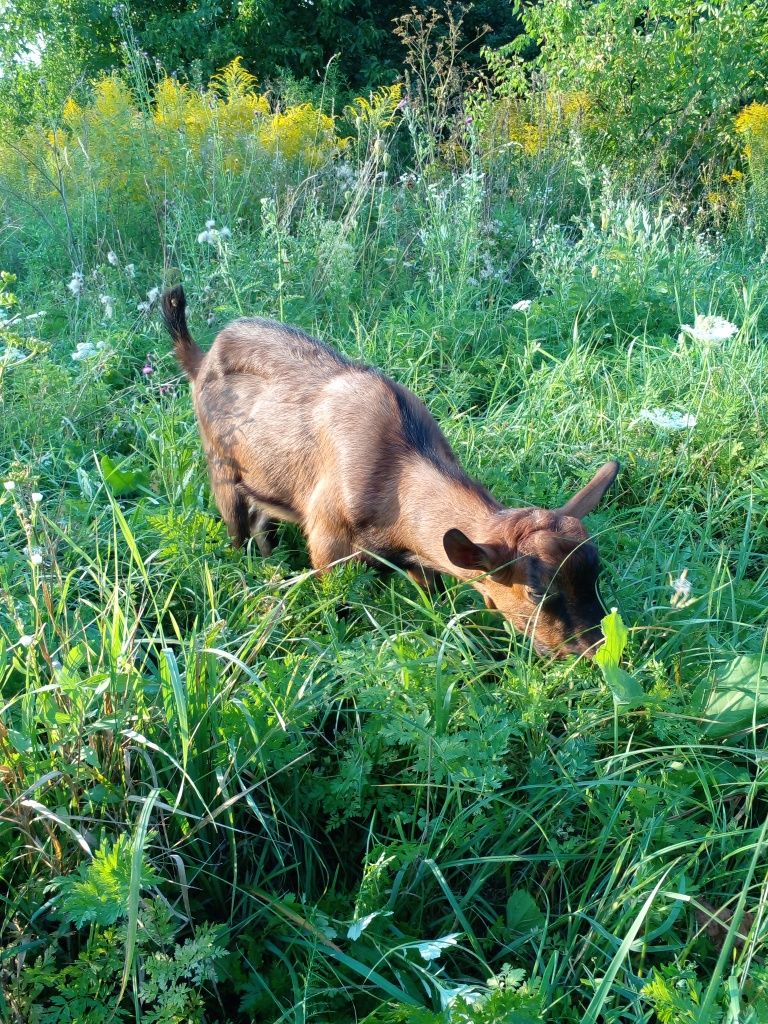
(173, 305)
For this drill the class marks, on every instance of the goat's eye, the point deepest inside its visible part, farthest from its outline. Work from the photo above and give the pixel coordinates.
(537, 596)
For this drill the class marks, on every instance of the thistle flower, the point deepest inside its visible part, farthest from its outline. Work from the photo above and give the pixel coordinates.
(9, 485)
(36, 497)
(130, 270)
(212, 234)
(112, 258)
(26, 640)
(36, 556)
(681, 590)
(108, 303)
(152, 296)
(77, 283)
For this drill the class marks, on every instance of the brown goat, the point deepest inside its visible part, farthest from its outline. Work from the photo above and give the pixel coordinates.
(293, 430)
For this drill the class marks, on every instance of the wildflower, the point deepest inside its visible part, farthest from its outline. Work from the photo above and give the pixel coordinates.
(107, 302)
(36, 497)
(148, 369)
(112, 258)
(752, 120)
(681, 590)
(522, 306)
(666, 420)
(212, 235)
(77, 283)
(403, 104)
(130, 270)
(708, 329)
(594, 271)
(11, 355)
(36, 557)
(152, 296)
(26, 640)
(9, 485)
(83, 351)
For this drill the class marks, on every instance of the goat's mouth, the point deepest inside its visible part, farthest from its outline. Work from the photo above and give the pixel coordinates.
(584, 645)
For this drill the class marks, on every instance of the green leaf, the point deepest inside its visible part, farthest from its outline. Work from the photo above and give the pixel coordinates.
(122, 481)
(736, 695)
(624, 687)
(100, 891)
(523, 915)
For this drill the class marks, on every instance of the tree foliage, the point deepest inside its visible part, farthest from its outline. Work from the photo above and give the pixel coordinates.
(196, 37)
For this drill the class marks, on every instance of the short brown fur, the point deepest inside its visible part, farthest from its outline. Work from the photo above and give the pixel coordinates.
(292, 430)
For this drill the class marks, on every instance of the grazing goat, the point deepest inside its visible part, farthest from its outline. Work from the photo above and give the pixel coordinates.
(293, 430)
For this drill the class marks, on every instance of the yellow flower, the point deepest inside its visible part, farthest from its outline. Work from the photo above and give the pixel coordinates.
(302, 132)
(378, 111)
(733, 177)
(753, 120)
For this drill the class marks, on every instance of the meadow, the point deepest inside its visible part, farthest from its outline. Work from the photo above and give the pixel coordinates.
(232, 790)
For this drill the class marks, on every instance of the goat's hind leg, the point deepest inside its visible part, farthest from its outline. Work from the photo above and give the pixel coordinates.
(232, 505)
(263, 529)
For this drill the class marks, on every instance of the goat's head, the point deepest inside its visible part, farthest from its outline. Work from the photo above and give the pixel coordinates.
(540, 569)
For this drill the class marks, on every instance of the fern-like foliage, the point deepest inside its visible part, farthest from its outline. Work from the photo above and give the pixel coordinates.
(98, 891)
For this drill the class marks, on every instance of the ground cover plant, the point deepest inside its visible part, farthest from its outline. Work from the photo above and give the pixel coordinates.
(231, 790)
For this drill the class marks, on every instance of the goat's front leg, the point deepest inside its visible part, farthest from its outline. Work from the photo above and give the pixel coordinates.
(327, 546)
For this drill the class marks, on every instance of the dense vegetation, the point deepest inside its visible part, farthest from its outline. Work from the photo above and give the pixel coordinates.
(231, 790)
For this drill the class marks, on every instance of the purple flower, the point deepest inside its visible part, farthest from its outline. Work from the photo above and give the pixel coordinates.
(148, 369)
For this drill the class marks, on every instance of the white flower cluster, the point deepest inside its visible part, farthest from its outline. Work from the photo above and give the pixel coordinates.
(86, 349)
(710, 329)
(666, 419)
(109, 305)
(213, 235)
(523, 306)
(10, 354)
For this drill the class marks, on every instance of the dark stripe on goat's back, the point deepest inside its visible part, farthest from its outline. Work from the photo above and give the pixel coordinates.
(423, 435)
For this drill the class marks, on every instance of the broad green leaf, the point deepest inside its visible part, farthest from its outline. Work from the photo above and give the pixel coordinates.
(122, 481)
(736, 695)
(624, 687)
(523, 915)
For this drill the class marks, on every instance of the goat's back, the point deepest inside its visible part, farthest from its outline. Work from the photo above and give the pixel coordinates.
(291, 418)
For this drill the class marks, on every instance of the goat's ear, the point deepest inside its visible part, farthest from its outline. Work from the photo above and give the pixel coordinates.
(588, 498)
(467, 555)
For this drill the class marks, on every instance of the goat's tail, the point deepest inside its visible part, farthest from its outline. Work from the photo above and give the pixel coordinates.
(174, 305)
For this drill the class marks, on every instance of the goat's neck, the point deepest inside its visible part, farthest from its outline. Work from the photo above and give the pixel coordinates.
(431, 503)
